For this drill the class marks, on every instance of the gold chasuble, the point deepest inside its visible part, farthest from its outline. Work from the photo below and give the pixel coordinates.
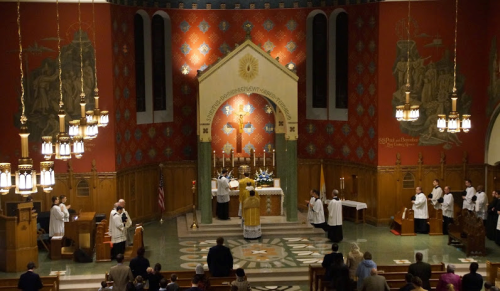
(251, 211)
(244, 193)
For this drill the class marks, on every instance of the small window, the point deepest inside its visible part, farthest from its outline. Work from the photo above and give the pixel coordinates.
(83, 189)
(158, 44)
(409, 181)
(320, 61)
(341, 61)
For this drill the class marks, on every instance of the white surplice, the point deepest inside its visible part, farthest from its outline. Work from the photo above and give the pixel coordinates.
(447, 205)
(420, 206)
(223, 190)
(437, 193)
(117, 229)
(318, 214)
(56, 224)
(481, 207)
(65, 211)
(334, 213)
(309, 210)
(468, 203)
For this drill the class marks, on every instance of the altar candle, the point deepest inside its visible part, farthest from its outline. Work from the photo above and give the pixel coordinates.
(264, 158)
(232, 158)
(254, 158)
(223, 158)
(214, 159)
(274, 152)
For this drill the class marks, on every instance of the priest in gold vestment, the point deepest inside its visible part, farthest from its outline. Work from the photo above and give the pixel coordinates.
(243, 183)
(251, 215)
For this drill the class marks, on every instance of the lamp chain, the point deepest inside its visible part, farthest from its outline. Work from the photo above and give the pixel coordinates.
(95, 43)
(23, 116)
(455, 58)
(61, 103)
(408, 47)
(81, 47)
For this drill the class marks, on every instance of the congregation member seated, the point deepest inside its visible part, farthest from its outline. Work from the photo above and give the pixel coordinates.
(172, 286)
(139, 283)
(417, 282)
(30, 280)
(241, 281)
(104, 287)
(449, 278)
(409, 285)
(154, 277)
(472, 281)
(364, 269)
(163, 285)
(374, 283)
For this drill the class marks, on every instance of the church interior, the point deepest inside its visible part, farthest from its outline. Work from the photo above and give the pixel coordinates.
(306, 91)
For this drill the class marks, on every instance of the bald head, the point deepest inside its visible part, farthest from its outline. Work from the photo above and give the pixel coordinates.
(121, 202)
(373, 272)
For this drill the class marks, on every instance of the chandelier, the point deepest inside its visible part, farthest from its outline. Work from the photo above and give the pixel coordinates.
(86, 126)
(452, 123)
(407, 112)
(25, 176)
(65, 144)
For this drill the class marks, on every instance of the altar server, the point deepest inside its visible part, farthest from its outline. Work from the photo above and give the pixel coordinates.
(447, 206)
(56, 224)
(64, 207)
(420, 211)
(436, 193)
(118, 232)
(318, 214)
(309, 210)
(335, 233)
(481, 204)
(467, 196)
(223, 196)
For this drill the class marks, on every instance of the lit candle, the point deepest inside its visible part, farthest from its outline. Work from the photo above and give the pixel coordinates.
(264, 158)
(274, 152)
(232, 158)
(223, 158)
(253, 158)
(214, 159)
(194, 182)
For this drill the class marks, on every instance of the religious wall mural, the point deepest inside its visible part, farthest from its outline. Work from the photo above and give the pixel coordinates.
(42, 84)
(431, 85)
(494, 78)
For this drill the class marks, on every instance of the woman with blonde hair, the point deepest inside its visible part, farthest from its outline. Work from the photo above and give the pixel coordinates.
(450, 287)
(354, 257)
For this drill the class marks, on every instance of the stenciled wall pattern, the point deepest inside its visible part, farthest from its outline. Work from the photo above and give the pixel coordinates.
(257, 126)
(201, 37)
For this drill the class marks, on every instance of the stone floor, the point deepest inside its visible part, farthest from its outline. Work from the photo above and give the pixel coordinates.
(273, 253)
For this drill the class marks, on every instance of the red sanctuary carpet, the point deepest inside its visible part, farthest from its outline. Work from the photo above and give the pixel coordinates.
(395, 232)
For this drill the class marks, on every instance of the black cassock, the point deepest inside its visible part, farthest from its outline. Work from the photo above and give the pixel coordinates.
(491, 222)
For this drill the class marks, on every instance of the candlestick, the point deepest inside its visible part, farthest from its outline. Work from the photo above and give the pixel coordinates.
(264, 158)
(254, 158)
(232, 158)
(274, 152)
(342, 183)
(214, 160)
(223, 158)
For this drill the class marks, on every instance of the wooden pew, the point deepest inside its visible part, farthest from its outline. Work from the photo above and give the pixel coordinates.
(131, 252)
(405, 226)
(102, 243)
(435, 221)
(396, 272)
(468, 231)
(185, 275)
(50, 283)
(492, 271)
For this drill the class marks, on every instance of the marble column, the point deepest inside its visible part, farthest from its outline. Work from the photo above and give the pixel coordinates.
(291, 183)
(204, 181)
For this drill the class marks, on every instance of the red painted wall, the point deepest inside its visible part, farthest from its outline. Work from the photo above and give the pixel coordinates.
(434, 18)
(38, 21)
(259, 133)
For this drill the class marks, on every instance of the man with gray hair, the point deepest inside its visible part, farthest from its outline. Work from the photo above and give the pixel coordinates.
(375, 282)
(449, 278)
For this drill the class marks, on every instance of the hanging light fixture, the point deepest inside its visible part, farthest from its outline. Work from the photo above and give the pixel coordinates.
(101, 117)
(452, 123)
(407, 112)
(86, 126)
(64, 142)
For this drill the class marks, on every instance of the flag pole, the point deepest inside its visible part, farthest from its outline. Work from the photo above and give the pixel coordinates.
(161, 185)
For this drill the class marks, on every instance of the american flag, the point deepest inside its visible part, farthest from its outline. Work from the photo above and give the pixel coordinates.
(161, 194)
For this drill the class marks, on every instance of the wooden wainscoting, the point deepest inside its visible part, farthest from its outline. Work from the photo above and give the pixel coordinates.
(360, 182)
(139, 187)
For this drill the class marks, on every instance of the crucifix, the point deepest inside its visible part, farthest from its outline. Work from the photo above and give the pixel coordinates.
(240, 115)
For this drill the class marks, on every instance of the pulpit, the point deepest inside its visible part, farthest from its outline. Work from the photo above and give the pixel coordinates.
(18, 239)
(81, 230)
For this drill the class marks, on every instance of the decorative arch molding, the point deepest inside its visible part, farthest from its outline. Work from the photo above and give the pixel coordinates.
(247, 69)
(146, 116)
(492, 143)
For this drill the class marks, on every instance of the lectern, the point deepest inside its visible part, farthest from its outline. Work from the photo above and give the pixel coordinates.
(18, 239)
(81, 230)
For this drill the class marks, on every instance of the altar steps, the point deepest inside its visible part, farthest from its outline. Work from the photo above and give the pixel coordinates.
(271, 226)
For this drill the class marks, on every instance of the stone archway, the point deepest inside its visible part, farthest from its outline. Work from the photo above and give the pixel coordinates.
(248, 69)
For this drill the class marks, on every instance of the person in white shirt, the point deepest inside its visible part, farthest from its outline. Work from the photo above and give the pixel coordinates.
(223, 188)
(335, 233)
(436, 193)
(56, 224)
(118, 233)
(130, 230)
(309, 210)
(64, 207)
(481, 204)
(421, 213)
(469, 192)
(318, 214)
(447, 204)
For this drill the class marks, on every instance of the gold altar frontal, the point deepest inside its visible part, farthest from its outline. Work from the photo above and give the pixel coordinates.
(271, 201)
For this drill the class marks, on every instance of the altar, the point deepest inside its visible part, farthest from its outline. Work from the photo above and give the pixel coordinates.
(271, 201)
